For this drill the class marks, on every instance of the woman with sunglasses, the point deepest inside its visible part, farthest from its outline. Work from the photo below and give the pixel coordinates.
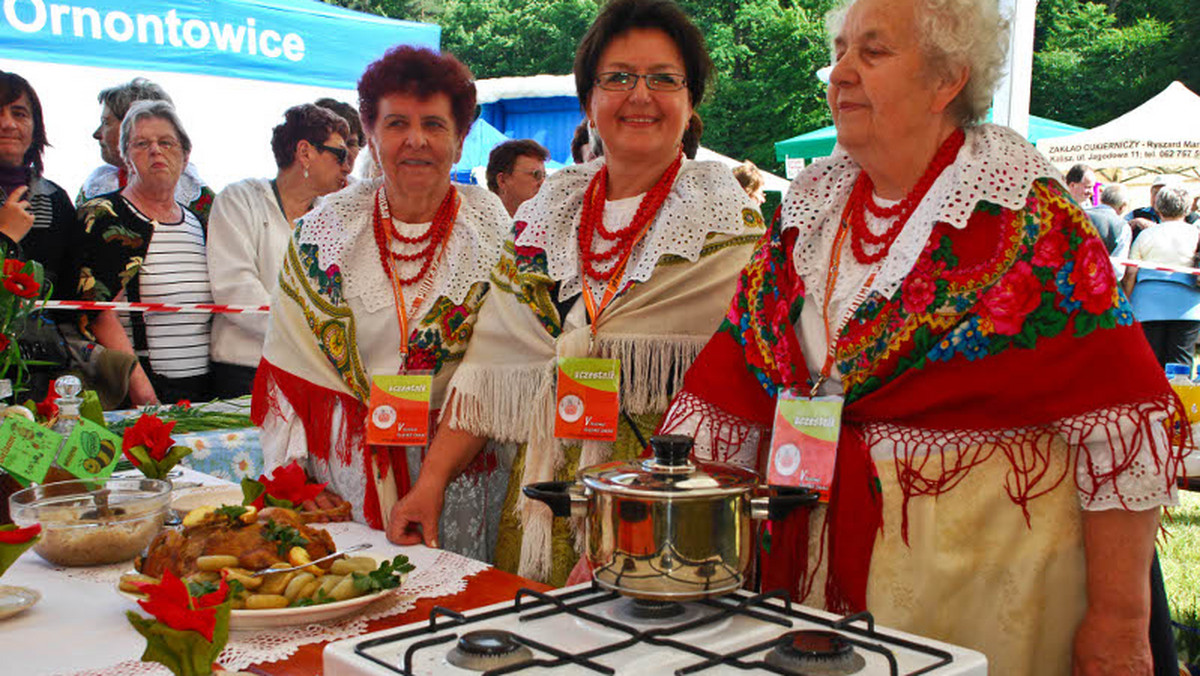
(249, 228)
(383, 279)
(629, 257)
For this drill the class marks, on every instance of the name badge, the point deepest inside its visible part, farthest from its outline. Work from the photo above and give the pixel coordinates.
(588, 399)
(804, 439)
(398, 412)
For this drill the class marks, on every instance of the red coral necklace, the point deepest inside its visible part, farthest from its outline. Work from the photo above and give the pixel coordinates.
(591, 222)
(438, 232)
(861, 202)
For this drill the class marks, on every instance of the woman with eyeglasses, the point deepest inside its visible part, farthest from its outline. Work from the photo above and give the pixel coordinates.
(249, 228)
(630, 257)
(141, 245)
(382, 279)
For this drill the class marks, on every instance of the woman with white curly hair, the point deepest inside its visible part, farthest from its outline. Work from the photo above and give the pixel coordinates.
(992, 487)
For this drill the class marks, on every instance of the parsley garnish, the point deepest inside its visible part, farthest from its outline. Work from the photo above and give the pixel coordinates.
(232, 512)
(387, 576)
(321, 597)
(198, 589)
(285, 537)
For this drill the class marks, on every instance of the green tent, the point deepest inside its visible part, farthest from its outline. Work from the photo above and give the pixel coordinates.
(820, 143)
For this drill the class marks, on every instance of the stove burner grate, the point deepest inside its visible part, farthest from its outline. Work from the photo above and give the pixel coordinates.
(815, 653)
(646, 609)
(488, 649)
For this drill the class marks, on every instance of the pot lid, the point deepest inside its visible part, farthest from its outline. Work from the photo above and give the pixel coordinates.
(670, 473)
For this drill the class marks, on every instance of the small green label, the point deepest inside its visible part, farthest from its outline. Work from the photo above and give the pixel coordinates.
(27, 449)
(816, 418)
(91, 451)
(408, 386)
(597, 374)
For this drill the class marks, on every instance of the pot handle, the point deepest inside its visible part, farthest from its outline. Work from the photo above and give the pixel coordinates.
(782, 501)
(558, 496)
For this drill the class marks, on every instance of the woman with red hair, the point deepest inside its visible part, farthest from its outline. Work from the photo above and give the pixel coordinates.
(383, 278)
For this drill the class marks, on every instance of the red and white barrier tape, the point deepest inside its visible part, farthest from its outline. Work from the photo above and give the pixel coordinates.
(1146, 265)
(182, 308)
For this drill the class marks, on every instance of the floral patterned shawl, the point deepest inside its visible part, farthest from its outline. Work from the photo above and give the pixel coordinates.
(1005, 332)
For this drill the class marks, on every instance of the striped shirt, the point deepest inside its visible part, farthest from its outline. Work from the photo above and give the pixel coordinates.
(175, 271)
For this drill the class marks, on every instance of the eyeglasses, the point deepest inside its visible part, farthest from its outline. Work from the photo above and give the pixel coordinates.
(340, 153)
(536, 174)
(166, 145)
(619, 81)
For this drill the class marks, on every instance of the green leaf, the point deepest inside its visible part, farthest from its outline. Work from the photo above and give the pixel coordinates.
(9, 553)
(185, 653)
(251, 489)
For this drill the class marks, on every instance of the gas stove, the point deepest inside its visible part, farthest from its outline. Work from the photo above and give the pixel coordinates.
(589, 630)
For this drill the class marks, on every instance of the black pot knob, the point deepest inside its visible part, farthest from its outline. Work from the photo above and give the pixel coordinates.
(671, 450)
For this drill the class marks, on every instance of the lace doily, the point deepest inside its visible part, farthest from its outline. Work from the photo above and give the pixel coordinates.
(106, 179)
(705, 199)
(995, 165)
(341, 227)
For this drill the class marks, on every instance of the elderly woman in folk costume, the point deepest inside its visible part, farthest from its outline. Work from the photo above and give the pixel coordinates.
(384, 278)
(992, 488)
(630, 257)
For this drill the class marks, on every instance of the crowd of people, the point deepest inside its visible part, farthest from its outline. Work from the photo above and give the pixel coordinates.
(999, 473)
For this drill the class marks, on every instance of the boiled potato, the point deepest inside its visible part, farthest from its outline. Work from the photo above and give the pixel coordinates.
(265, 601)
(216, 562)
(298, 556)
(276, 583)
(130, 581)
(356, 564)
(198, 516)
(310, 589)
(345, 589)
(298, 583)
(242, 575)
(328, 583)
(204, 576)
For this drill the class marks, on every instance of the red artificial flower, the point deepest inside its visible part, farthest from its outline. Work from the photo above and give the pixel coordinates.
(150, 432)
(21, 284)
(170, 603)
(13, 266)
(290, 483)
(184, 404)
(46, 408)
(1093, 277)
(1012, 298)
(5, 341)
(19, 536)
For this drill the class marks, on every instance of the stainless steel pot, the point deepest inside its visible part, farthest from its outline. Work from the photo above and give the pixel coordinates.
(669, 527)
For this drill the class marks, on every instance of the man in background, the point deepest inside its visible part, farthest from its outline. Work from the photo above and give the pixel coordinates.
(1080, 181)
(515, 171)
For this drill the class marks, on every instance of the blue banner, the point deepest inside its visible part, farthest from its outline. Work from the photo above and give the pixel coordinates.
(297, 41)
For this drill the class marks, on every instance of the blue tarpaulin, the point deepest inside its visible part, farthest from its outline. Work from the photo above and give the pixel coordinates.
(295, 41)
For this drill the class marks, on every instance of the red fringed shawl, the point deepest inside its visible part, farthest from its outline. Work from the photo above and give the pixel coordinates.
(1005, 334)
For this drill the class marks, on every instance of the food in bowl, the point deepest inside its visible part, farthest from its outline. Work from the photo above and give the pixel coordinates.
(237, 543)
(89, 524)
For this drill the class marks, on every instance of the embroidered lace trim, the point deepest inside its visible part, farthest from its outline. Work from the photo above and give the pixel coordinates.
(341, 229)
(706, 199)
(995, 165)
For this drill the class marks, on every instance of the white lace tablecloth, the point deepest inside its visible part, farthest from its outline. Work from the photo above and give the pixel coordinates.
(79, 626)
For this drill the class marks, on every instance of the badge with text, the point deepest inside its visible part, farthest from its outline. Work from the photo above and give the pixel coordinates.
(27, 449)
(91, 451)
(804, 442)
(399, 409)
(588, 402)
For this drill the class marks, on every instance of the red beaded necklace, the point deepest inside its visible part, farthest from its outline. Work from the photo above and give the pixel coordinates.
(862, 202)
(438, 232)
(591, 221)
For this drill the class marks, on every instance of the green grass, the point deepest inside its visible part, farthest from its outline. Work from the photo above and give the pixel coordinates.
(1179, 554)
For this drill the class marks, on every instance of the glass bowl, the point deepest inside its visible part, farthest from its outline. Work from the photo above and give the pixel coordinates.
(85, 523)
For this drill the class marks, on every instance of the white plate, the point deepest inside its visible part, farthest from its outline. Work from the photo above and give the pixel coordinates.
(288, 617)
(16, 599)
(202, 496)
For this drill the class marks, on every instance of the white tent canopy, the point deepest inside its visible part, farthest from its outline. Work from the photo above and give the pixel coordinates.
(1162, 132)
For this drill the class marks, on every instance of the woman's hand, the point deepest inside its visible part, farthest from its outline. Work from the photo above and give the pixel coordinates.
(1106, 644)
(15, 219)
(415, 518)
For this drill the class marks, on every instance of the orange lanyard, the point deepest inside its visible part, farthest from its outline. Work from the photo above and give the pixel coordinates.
(835, 262)
(610, 292)
(426, 284)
